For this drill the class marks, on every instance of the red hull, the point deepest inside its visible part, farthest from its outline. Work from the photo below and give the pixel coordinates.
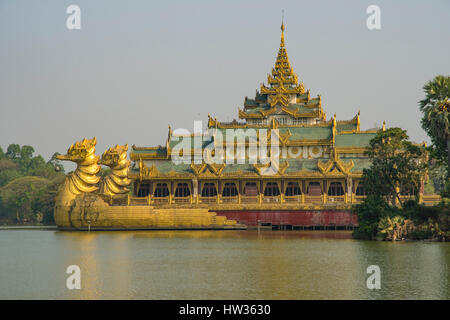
(300, 218)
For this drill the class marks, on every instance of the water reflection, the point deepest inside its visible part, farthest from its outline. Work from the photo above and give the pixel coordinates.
(234, 264)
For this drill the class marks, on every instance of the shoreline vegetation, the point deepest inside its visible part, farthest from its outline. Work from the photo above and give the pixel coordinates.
(401, 168)
(28, 185)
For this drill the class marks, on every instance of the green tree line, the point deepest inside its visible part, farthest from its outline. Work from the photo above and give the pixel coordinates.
(399, 167)
(28, 185)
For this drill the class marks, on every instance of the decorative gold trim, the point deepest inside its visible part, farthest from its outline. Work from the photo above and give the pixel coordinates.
(263, 169)
(326, 167)
(198, 168)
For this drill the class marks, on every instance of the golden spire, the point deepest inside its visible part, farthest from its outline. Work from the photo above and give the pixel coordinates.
(282, 30)
(283, 81)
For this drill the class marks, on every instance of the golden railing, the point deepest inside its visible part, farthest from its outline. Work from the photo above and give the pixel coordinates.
(406, 198)
(313, 199)
(182, 200)
(234, 199)
(431, 199)
(331, 199)
(208, 199)
(271, 199)
(160, 200)
(294, 199)
(138, 201)
(249, 199)
(358, 199)
(257, 199)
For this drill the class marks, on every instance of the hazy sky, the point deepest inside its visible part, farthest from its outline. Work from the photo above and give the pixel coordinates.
(137, 66)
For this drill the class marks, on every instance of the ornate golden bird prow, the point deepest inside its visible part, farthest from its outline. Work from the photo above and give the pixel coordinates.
(117, 181)
(84, 178)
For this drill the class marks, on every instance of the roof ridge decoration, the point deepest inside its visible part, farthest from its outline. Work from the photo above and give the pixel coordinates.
(217, 168)
(198, 168)
(283, 81)
(283, 137)
(145, 172)
(213, 168)
(335, 162)
(271, 168)
(134, 147)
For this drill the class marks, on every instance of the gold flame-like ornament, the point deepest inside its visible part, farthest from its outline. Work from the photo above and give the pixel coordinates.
(117, 181)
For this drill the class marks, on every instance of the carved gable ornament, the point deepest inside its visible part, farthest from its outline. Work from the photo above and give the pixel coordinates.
(207, 170)
(335, 165)
(271, 168)
(145, 172)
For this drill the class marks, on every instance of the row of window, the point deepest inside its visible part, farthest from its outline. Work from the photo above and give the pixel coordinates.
(250, 189)
(283, 121)
(300, 120)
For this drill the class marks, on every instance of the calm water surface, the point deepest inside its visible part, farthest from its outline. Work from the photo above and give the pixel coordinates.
(218, 265)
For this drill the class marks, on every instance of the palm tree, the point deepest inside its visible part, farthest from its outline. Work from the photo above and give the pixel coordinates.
(436, 115)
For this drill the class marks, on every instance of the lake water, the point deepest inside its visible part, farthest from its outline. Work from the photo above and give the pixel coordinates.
(243, 264)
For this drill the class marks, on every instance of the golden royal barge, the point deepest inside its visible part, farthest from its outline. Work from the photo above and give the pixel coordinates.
(310, 176)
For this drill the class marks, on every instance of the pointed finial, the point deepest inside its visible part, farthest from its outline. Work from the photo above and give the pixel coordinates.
(384, 125)
(282, 29)
(358, 122)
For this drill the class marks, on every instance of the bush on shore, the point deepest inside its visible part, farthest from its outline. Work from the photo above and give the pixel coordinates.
(379, 220)
(28, 185)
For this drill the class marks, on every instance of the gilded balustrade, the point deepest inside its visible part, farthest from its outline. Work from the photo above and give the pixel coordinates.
(161, 200)
(138, 201)
(234, 199)
(209, 199)
(332, 199)
(314, 199)
(302, 199)
(182, 200)
(294, 199)
(249, 199)
(271, 199)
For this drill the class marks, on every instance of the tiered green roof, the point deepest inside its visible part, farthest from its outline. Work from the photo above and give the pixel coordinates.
(283, 87)
(285, 96)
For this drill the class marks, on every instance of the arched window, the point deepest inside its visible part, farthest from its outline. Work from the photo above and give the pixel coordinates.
(182, 190)
(314, 189)
(271, 189)
(144, 190)
(209, 190)
(360, 190)
(335, 189)
(293, 189)
(250, 189)
(229, 190)
(161, 190)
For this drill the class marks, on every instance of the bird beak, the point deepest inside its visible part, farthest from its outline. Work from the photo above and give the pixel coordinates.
(62, 157)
